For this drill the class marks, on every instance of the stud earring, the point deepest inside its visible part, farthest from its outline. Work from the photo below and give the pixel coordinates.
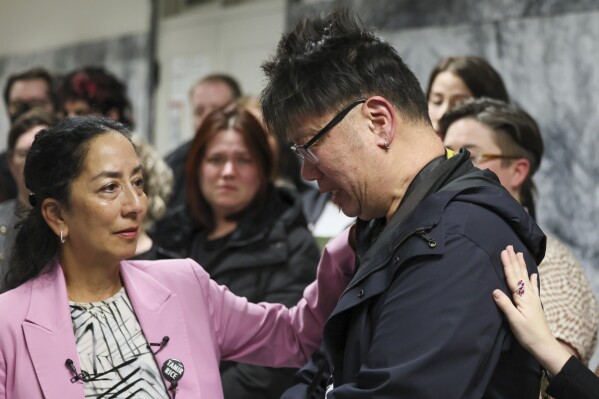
(62, 239)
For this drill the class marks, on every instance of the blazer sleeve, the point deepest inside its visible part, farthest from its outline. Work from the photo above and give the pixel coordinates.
(270, 334)
(285, 285)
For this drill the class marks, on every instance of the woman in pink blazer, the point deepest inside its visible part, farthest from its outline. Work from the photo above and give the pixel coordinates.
(82, 321)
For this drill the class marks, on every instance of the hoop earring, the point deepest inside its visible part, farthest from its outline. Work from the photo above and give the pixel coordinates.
(62, 239)
(387, 145)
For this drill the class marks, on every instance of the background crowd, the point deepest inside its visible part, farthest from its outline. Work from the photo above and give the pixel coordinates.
(236, 200)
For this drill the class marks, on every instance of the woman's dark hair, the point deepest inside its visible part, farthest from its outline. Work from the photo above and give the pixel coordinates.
(256, 139)
(479, 76)
(55, 159)
(26, 122)
(100, 90)
(516, 133)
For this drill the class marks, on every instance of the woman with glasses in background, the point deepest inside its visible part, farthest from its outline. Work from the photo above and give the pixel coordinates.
(506, 140)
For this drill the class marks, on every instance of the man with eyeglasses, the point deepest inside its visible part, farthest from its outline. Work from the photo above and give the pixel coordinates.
(29, 89)
(418, 319)
(24, 91)
(506, 140)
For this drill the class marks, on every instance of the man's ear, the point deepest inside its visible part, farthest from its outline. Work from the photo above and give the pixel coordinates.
(520, 170)
(52, 211)
(382, 120)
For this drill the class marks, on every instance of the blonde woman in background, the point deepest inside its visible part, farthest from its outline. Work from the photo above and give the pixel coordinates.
(158, 178)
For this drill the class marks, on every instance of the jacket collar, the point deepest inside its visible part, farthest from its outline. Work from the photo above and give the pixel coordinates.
(143, 291)
(49, 335)
(377, 240)
(378, 243)
(424, 218)
(160, 315)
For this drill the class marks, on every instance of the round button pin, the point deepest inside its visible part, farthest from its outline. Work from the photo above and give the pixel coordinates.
(173, 370)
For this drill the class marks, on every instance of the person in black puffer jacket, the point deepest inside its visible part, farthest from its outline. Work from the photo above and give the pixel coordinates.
(248, 234)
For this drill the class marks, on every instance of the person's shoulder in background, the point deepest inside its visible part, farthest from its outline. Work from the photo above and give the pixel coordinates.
(570, 305)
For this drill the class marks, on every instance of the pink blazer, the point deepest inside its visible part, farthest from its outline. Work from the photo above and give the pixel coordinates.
(175, 298)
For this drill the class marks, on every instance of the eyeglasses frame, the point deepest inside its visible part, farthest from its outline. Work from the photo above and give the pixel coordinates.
(303, 151)
(485, 157)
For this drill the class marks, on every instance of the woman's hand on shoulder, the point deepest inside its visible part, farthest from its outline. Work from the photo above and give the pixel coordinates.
(525, 313)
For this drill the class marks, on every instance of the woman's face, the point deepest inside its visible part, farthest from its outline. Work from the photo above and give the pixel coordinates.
(229, 174)
(447, 91)
(107, 204)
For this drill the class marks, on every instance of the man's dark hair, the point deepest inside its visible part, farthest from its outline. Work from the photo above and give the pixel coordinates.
(30, 74)
(516, 134)
(327, 62)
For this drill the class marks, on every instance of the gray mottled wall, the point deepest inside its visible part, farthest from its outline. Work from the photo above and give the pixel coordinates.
(125, 56)
(548, 54)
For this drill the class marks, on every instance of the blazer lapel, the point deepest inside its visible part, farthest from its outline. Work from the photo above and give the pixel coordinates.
(160, 315)
(49, 335)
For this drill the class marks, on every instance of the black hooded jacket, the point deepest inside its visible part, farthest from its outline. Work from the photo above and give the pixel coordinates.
(418, 319)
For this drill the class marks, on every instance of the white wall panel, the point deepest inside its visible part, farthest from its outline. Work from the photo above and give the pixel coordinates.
(234, 40)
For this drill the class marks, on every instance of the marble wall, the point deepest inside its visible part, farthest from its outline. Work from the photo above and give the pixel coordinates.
(126, 57)
(548, 54)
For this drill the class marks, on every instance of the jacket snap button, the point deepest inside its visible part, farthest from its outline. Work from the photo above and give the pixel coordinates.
(360, 293)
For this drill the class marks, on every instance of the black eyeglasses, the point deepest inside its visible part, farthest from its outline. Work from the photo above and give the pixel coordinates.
(303, 151)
